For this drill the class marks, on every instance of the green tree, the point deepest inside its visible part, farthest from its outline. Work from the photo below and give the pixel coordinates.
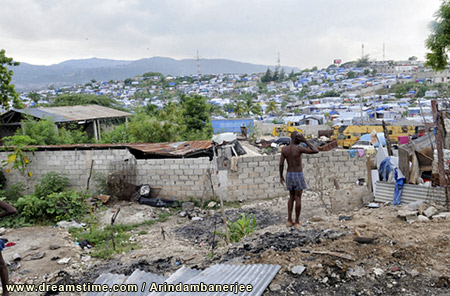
(271, 107)
(196, 116)
(366, 72)
(35, 97)
(83, 99)
(363, 61)
(267, 77)
(438, 42)
(351, 74)
(7, 90)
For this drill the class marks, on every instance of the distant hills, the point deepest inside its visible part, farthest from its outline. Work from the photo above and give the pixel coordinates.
(29, 77)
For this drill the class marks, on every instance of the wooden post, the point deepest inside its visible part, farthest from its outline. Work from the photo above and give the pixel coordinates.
(222, 209)
(439, 146)
(425, 123)
(388, 140)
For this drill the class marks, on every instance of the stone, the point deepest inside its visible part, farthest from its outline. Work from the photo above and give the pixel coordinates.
(63, 261)
(197, 218)
(431, 211)
(183, 214)
(298, 269)
(86, 258)
(67, 225)
(422, 218)
(358, 271)
(187, 206)
(2, 230)
(442, 216)
(422, 208)
(409, 216)
(414, 206)
(350, 198)
(378, 271)
(211, 204)
(274, 287)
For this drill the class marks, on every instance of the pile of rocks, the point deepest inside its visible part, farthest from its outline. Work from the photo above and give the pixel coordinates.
(422, 212)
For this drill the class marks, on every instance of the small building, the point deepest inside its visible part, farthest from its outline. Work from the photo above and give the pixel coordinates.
(89, 118)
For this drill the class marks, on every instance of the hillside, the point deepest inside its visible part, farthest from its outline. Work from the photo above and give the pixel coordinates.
(32, 77)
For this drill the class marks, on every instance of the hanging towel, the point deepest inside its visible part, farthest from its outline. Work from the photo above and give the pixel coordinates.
(352, 153)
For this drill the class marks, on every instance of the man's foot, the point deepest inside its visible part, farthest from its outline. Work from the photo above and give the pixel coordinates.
(297, 225)
(289, 224)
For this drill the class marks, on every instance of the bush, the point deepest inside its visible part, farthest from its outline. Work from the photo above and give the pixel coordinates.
(51, 183)
(52, 208)
(13, 193)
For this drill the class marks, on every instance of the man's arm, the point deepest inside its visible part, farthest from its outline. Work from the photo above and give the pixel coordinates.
(311, 148)
(282, 168)
(8, 209)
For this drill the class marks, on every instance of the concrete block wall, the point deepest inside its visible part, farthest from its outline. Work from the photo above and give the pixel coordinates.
(257, 176)
(74, 164)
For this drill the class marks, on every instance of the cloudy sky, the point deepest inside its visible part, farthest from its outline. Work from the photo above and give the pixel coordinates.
(305, 32)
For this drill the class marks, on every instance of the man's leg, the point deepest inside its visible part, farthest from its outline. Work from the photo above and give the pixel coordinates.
(298, 206)
(4, 275)
(290, 207)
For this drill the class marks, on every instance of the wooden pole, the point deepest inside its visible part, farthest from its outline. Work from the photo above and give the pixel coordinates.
(222, 209)
(388, 140)
(439, 146)
(425, 123)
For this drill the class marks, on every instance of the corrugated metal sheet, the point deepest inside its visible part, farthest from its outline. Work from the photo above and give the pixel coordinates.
(108, 279)
(138, 277)
(410, 193)
(173, 149)
(177, 149)
(257, 275)
(182, 275)
(74, 113)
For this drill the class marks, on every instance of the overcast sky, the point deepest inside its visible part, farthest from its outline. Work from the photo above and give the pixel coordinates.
(305, 32)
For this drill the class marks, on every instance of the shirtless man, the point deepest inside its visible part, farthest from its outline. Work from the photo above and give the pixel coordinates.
(295, 180)
(7, 210)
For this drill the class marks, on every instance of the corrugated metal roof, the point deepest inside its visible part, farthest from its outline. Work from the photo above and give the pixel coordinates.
(74, 113)
(138, 277)
(411, 193)
(107, 279)
(176, 149)
(257, 275)
(172, 149)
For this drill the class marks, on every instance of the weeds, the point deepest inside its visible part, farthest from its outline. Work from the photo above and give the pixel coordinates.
(240, 228)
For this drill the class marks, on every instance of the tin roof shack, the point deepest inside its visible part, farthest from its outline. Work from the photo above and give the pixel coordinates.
(89, 117)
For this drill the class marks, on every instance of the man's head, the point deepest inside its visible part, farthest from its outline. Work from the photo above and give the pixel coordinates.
(295, 137)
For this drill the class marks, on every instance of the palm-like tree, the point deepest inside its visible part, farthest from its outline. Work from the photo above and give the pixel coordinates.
(271, 107)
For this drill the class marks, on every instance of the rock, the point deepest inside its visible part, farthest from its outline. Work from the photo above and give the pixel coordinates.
(63, 261)
(431, 211)
(298, 269)
(409, 216)
(422, 208)
(442, 216)
(67, 225)
(413, 206)
(197, 218)
(54, 247)
(211, 204)
(358, 271)
(373, 205)
(274, 287)
(378, 271)
(2, 230)
(187, 206)
(86, 258)
(422, 218)
(37, 256)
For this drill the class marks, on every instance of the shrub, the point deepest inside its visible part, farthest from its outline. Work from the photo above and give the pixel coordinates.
(51, 183)
(53, 207)
(240, 228)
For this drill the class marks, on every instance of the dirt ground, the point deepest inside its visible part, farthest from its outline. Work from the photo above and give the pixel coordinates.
(404, 259)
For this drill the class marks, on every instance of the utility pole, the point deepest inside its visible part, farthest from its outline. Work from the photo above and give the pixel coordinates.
(384, 51)
(199, 73)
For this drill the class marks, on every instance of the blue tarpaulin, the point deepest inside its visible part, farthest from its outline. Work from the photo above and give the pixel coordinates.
(230, 125)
